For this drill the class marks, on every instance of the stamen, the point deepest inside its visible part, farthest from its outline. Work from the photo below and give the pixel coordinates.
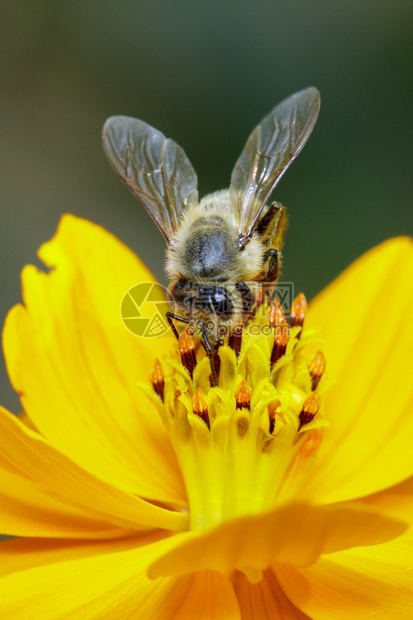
(235, 339)
(310, 408)
(276, 315)
(244, 435)
(243, 395)
(217, 367)
(281, 338)
(272, 411)
(200, 406)
(316, 369)
(187, 350)
(259, 301)
(311, 443)
(157, 378)
(277, 320)
(298, 311)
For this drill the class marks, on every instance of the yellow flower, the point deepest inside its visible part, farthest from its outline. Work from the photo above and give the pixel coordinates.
(223, 502)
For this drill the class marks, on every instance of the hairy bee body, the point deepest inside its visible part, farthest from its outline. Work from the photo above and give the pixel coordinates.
(206, 261)
(222, 250)
(205, 246)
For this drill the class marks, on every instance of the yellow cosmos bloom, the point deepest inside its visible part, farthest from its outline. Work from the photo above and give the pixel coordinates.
(273, 495)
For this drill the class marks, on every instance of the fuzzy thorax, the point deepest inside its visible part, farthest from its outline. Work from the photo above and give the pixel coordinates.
(213, 212)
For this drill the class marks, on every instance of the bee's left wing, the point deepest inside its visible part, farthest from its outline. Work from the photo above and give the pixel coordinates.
(269, 150)
(154, 168)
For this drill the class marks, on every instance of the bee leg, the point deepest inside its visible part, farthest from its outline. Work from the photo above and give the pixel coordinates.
(272, 225)
(170, 317)
(211, 353)
(271, 270)
(271, 229)
(247, 299)
(272, 258)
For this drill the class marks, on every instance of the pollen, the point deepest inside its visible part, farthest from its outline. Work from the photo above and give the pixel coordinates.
(247, 441)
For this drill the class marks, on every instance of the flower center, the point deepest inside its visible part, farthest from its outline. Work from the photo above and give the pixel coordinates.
(247, 444)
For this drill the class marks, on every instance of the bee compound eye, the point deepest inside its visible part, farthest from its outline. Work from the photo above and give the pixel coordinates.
(181, 284)
(179, 295)
(180, 289)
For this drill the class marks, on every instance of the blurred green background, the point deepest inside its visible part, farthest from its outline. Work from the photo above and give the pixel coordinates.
(205, 73)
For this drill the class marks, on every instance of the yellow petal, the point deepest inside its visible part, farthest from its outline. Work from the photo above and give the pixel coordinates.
(68, 579)
(295, 533)
(109, 584)
(264, 600)
(359, 583)
(397, 502)
(20, 554)
(365, 319)
(209, 597)
(77, 367)
(54, 474)
(26, 510)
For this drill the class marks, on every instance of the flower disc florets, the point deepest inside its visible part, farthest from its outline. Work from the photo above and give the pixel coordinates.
(247, 444)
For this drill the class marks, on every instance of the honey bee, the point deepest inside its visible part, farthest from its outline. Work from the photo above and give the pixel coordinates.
(224, 250)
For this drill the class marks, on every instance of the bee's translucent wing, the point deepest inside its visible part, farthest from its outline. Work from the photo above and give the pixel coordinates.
(154, 168)
(269, 150)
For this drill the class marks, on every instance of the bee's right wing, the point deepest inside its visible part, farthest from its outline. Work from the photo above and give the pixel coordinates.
(269, 150)
(154, 168)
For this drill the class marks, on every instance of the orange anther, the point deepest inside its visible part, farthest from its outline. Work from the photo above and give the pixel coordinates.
(186, 346)
(273, 407)
(157, 378)
(281, 339)
(298, 310)
(243, 395)
(200, 406)
(276, 315)
(316, 368)
(311, 443)
(235, 338)
(310, 408)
